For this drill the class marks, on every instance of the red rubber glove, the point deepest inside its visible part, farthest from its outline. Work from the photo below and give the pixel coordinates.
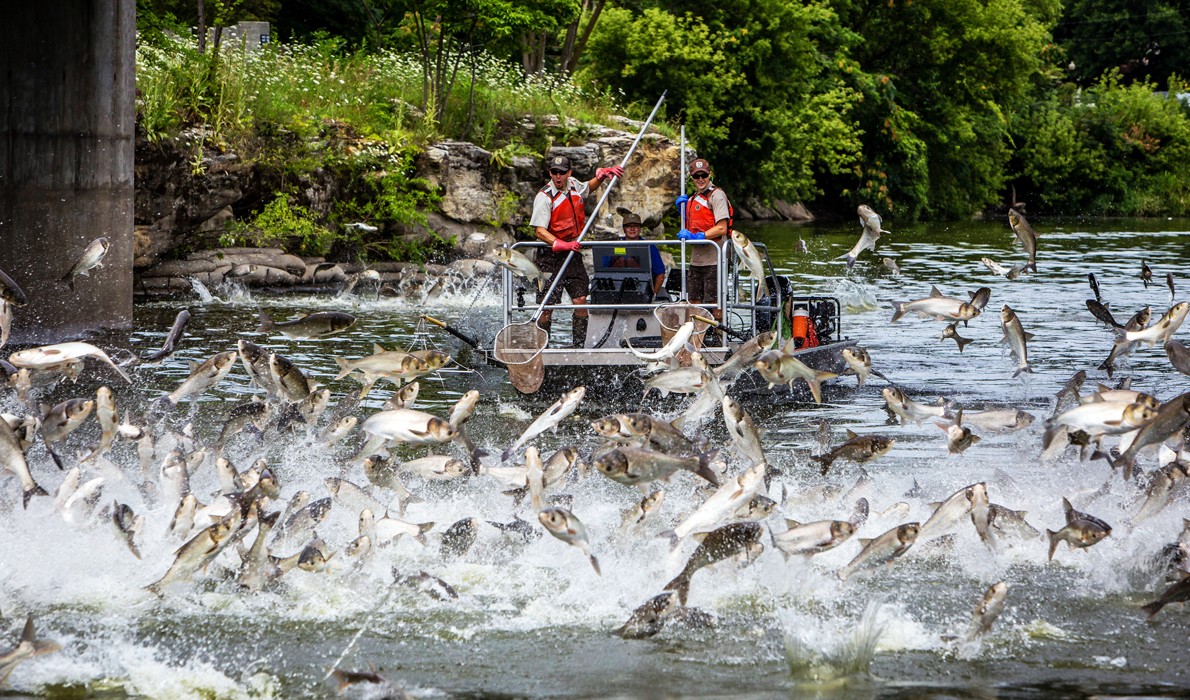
(605, 173)
(561, 246)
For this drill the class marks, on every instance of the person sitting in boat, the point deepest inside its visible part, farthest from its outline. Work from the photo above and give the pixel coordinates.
(632, 226)
(557, 219)
(708, 216)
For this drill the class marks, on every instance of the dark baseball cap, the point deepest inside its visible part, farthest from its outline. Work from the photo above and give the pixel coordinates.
(631, 218)
(559, 163)
(699, 165)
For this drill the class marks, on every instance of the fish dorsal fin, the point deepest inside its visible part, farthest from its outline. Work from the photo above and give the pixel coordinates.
(29, 634)
(934, 291)
(1029, 336)
(700, 536)
(865, 541)
(791, 523)
(1093, 398)
(935, 505)
(377, 349)
(851, 434)
(1102, 388)
(1066, 505)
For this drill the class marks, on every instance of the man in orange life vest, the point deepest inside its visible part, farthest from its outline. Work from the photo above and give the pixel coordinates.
(557, 219)
(708, 216)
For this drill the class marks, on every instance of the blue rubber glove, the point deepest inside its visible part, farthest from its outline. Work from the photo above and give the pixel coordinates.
(700, 236)
(684, 235)
(681, 201)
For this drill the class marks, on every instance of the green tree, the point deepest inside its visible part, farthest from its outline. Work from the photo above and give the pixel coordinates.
(755, 81)
(936, 107)
(1108, 149)
(1142, 39)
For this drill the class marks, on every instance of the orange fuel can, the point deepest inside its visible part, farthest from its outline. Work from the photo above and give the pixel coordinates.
(804, 335)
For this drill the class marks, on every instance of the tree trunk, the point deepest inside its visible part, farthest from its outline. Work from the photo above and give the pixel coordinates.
(596, 8)
(571, 33)
(202, 26)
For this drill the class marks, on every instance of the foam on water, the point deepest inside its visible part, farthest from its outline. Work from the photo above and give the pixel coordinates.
(793, 620)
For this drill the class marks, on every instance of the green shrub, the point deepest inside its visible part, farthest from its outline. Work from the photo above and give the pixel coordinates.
(281, 224)
(1111, 150)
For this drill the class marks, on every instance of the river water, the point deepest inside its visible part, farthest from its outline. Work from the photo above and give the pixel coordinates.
(535, 620)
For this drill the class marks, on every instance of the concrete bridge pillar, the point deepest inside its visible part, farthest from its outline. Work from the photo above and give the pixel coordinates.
(67, 141)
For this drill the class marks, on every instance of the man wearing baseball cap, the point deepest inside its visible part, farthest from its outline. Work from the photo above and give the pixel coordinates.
(557, 219)
(708, 216)
(656, 264)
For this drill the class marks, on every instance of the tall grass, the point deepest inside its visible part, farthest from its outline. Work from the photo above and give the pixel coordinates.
(379, 94)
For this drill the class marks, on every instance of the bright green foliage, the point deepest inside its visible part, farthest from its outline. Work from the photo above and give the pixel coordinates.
(1112, 149)
(280, 223)
(751, 79)
(378, 185)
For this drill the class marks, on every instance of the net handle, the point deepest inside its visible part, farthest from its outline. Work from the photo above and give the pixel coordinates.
(595, 213)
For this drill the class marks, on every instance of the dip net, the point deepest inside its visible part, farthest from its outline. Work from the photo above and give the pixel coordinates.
(519, 346)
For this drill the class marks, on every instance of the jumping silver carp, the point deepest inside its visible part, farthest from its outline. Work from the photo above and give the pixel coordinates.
(715, 546)
(319, 324)
(881, 550)
(91, 258)
(751, 258)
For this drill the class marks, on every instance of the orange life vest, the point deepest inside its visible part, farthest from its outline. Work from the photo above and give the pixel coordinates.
(700, 215)
(567, 214)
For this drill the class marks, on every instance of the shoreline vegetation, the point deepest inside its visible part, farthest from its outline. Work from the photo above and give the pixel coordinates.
(923, 135)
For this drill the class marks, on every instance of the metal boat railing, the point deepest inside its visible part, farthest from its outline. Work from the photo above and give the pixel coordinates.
(519, 297)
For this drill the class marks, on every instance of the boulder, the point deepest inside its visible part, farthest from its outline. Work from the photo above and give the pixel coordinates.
(792, 212)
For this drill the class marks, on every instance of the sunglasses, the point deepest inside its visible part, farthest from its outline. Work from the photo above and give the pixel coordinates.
(558, 172)
(700, 176)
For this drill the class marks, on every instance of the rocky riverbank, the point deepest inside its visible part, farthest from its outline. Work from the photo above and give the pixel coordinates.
(188, 192)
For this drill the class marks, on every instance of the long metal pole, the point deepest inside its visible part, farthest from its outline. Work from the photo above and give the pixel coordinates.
(591, 219)
(682, 210)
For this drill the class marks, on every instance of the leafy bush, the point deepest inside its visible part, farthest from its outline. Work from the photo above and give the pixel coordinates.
(1113, 149)
(291, 227)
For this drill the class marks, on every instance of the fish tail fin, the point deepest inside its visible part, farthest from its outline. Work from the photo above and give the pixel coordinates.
(704, 467)
(850, 263)
(898, 311)
(266, 323)
(344, 367)
(815, 390)
(674, 540)
(35, 491)
(963, 342)
(681, 584)
(422, 529)
(1153, 608)
(595, 564)
(825, 460)
(1125, 463)
(1053, 540)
